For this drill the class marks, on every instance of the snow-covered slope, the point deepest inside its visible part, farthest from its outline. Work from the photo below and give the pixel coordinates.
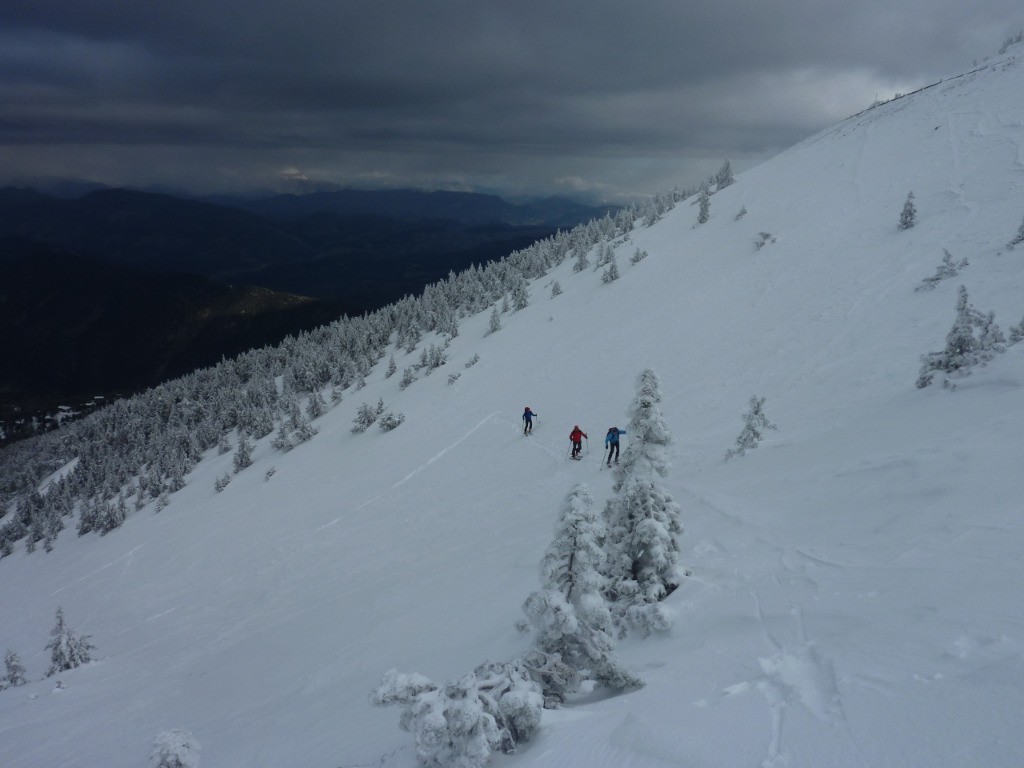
(855, 591)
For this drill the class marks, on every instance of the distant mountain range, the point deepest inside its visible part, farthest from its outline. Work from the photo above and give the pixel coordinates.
(117, 290)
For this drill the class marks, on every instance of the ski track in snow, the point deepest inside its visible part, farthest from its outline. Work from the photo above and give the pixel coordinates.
(443, 451)
(127, 557)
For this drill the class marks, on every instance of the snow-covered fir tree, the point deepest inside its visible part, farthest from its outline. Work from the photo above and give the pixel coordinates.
(908, 216)
(392, 367)
(754, 425)
(389, 421)
(495, 322)
(221, 482)
(642, 518)
(317, 406)
(67, 650)
(364, 418)
(638, 256)
(973, 340)
(520, 294)
(243, 454)
(724, 177)
(612, 273)
(573, 628)
(408, 377)
(556, 289)
(461, 724)
(176, 748)
(14, 671)
(947, 269)
(704, 205)
(582, 262)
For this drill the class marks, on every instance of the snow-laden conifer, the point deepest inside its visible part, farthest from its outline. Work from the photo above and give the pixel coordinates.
(704, 205)
(317, 406)
(612, 273)
(947, 269)
(67, 650)
(408, 377)
(724, 177)
(392, 367)
(573, 628)
(908, 216)
(389, 421)
(495, 322)
(973, 340)
(556, 289)
(582, 262)
(176, 748)
(243, 454)
(492, 709)
(14, 671)
(754, 424)
(364, 418)
(637, 256)
(642, 518)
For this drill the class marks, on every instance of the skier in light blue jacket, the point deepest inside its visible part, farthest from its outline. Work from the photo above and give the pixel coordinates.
(611, 441)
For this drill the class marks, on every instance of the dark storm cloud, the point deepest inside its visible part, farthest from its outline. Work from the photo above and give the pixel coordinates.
(532, 95)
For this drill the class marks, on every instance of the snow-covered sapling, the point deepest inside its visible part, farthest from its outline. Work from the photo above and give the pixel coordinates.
(243, 456)
(408, 377)
(364, 418)
(221, 482)
(973, 340)
(495, 323)
(740, 213)
(472, 361)
(14, 674)
(392, 367)
(556, 289)
(908, 216)
(462, 723)
(763, 238)
(581, 262)
(390, 420)
(724, 176)
(637, 256)
(704, 202)
(612, 273)
(175, 748)
(67, 650)
(754, 424)
(947, 269)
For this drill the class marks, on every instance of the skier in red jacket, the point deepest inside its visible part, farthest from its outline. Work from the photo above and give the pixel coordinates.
(577, 436)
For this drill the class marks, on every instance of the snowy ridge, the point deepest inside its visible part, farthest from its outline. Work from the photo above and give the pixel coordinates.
(854, 597)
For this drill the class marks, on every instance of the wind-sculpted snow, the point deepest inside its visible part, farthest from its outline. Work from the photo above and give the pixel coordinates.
(852, 592)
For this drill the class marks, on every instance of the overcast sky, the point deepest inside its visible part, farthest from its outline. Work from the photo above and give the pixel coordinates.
(608, 99)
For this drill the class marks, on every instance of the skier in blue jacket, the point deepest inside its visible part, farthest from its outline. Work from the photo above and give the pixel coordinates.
(528, 417)
(611, 440)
